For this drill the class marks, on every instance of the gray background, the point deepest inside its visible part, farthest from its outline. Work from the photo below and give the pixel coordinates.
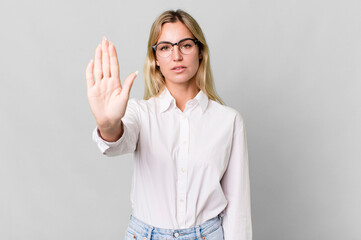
(290, 67)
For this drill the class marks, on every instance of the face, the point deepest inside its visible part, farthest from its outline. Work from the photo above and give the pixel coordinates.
(177, 68)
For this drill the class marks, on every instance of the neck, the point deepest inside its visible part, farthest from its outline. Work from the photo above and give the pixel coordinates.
(182, 93)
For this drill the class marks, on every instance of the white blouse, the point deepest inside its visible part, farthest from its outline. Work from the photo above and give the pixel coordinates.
(189, 166)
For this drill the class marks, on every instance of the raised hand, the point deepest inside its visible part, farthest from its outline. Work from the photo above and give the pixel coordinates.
(107, 99)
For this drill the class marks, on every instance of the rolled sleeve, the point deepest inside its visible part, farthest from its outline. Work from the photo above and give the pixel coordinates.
(235, 183)
(128, 141)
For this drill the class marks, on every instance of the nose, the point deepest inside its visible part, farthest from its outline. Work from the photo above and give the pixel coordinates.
(177, 55)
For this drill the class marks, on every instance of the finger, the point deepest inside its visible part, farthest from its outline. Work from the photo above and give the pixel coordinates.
(128, 82)
(105, 58)
(114, 65)
(98, 64)
(89, 75)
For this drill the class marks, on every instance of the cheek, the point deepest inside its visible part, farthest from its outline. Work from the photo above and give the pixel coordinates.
(195, 62)
(163, 66)
(197, 59)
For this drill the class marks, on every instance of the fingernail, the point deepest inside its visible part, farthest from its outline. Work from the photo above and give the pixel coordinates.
(136, 73)
(104, 38)
(91, 60)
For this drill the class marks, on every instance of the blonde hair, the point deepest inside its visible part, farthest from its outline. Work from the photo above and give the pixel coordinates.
(154, 80)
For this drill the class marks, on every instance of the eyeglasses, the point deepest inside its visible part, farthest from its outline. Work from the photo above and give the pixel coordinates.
(185, 45)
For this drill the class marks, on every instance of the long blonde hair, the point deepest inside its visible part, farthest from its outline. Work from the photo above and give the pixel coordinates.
(154, 80)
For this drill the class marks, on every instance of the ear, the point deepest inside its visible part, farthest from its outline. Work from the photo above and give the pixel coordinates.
(157, 63)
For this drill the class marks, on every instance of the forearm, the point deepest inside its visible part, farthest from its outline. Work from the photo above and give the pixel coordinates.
(111, 133)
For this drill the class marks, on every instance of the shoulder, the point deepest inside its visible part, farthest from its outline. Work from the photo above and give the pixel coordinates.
(142, 105)
(229, 114)
(226, 111)
(139, 102)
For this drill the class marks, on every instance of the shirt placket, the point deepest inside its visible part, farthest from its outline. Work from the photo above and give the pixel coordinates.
(182, 169)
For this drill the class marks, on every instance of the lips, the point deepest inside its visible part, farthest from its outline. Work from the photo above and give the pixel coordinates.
(178, 67)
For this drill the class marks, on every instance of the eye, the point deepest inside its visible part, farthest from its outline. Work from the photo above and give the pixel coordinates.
(187, 45)
(164, 47)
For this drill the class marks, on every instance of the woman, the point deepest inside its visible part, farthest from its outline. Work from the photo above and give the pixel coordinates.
(191, 173)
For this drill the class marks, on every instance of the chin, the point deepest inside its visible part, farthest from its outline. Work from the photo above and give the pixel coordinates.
(180, 78)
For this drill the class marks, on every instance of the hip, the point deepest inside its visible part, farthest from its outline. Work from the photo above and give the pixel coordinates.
(212, 229)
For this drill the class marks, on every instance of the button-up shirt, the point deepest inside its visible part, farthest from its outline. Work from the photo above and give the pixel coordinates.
(189, 166)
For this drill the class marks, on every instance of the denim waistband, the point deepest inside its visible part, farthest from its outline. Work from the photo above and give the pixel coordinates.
(151, 232)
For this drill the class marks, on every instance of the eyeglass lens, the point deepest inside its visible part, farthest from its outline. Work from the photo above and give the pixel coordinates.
(186, 46)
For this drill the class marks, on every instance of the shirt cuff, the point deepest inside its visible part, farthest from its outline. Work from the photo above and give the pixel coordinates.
(105, 145)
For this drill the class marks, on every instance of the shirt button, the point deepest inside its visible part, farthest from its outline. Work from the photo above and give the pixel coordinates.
(183, 169)
(181, 200)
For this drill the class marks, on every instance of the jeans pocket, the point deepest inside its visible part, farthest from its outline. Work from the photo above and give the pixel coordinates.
(215, 235)
(130, 234)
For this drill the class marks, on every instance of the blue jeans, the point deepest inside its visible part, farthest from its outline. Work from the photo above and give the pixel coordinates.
(212, 229)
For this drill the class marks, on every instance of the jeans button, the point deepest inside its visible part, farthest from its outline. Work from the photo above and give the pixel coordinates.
(176, 234)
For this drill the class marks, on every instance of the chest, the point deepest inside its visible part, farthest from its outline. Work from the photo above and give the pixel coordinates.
(197, 142)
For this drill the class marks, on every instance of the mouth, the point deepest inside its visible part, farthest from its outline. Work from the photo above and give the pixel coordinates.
(178, 69)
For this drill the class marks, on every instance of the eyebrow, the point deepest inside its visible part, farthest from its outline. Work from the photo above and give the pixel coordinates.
(176, 41)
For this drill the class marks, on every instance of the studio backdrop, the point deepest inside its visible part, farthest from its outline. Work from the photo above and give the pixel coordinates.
(291, 68)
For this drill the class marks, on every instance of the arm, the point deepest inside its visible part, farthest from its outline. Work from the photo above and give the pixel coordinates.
(235, 183)
(128, 141)
(107, 98)
(111, 134)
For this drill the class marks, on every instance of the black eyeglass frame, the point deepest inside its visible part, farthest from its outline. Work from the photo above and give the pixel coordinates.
(196, 41)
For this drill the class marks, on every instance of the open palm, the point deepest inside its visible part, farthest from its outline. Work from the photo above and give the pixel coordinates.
(107, 99)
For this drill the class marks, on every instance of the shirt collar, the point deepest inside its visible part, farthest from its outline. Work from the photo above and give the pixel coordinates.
(166, 99)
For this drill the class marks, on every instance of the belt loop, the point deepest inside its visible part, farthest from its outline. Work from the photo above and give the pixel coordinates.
(220, 218)
(150, 232)
(198, 232)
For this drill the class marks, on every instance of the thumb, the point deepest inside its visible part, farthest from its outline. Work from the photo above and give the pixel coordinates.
(128, 82)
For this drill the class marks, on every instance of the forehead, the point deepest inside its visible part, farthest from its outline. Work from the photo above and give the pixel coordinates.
(173, 32)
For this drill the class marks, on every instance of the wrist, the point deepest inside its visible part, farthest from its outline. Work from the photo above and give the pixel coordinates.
(111, 132)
